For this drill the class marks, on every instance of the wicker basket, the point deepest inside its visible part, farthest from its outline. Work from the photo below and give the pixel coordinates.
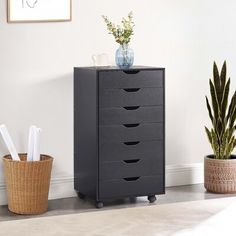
(27, 184)
(220, 175)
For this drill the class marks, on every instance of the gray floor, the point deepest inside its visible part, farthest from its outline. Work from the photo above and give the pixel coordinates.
(76, 205)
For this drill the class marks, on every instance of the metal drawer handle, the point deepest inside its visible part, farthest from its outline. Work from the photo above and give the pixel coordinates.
(131, 125)
(131, 161)
(131, 143)
(131, 178)
(131, 108)
(131, 71)
(131, 90)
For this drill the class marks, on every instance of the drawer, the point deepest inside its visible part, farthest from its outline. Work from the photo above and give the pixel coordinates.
(129, 115)
(131, 150)
(135, 186)
(130, 132)
(130, 97)
(131, 78)
(130, 167)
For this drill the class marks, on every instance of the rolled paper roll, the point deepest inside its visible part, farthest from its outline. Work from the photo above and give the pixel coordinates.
(30, 152)
(36, 152)
(9, 143)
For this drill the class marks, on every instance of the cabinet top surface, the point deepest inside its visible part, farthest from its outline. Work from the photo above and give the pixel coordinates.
(114, 68)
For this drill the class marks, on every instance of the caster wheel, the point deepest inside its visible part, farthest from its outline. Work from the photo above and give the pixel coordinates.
(133, 199)
(152, 198)
(81, 195)
(99, 205)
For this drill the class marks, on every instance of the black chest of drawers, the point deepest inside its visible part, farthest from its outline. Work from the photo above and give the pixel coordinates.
(119, 132)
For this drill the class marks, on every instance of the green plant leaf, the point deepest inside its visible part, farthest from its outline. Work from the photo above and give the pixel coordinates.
(231, 106)
(216, 79)
(215, 144)
(209, 109)
(225, 97)
(230, 148)
(234, 145)
(219, 128)
(214, 100)
(208, 132)
(232, 118)
(223, 75)
(231, 131)
(224, 142)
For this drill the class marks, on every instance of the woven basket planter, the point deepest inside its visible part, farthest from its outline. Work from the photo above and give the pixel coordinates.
(220, 175)
(27, 184)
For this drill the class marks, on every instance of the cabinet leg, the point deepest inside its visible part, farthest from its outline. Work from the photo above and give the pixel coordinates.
(99, 204)
(152, 198)
(81, 195)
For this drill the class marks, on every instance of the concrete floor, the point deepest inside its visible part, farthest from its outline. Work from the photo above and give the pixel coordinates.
(76, 205)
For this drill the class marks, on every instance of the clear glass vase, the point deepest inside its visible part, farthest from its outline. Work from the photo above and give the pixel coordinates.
(124, 56)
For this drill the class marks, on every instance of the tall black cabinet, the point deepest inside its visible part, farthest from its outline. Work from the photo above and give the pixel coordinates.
(119, 132)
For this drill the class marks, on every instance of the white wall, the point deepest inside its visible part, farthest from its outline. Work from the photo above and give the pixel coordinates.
(37, 60)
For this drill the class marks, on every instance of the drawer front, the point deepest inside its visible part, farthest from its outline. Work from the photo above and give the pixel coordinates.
(130, 97)
(136, 186)
(124, 133)
(129, 115)
(131, 78)
(130, 168)
(131, 150)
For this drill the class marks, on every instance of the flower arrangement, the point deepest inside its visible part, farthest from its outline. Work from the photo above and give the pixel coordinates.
(123, 32)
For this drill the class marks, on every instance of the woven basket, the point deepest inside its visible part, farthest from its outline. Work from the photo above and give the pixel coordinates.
(220, 175)
(27, 184)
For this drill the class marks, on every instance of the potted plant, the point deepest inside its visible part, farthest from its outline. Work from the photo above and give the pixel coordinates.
(220, 167)
(122, 33)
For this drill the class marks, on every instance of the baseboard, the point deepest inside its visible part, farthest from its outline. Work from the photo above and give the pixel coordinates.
(186, 174)
(176, 175)
(3, 197)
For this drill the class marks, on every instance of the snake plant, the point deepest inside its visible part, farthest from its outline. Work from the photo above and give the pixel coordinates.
(222, 115)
